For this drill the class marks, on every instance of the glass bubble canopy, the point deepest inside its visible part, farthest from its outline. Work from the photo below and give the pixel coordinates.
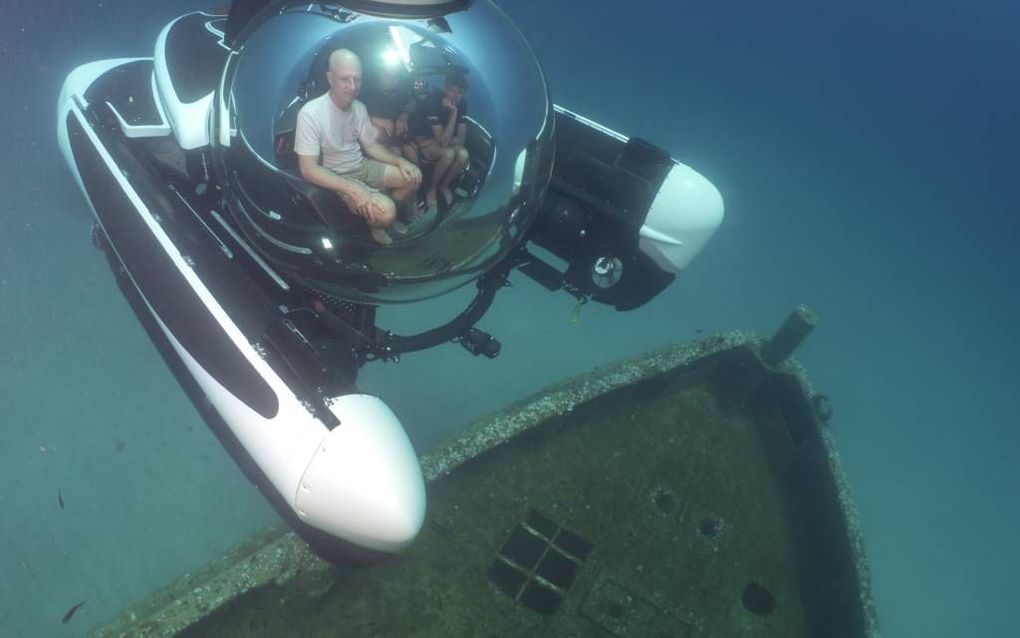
(280, 62)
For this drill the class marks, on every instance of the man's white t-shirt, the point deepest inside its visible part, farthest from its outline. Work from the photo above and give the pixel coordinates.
(339, 135)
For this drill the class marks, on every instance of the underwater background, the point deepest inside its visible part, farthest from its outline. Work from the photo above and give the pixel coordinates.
(867, 155)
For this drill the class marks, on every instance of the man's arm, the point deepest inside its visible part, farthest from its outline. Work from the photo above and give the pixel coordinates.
(354, 194)
(400, 125)
(443, 134)
(382, 154)
(461, 135)
(312, 172)
(384, 125)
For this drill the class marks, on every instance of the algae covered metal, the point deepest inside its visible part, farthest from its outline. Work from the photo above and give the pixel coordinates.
(691, 492)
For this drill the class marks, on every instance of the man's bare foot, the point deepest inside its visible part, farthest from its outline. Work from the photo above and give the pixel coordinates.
(413, 211)
(447, 195)
(416, 213)
(431, 205)
(380, 236)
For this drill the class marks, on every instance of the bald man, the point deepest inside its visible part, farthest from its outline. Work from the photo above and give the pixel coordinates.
(337, 127)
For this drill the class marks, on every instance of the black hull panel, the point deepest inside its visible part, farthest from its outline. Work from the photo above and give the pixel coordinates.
(124, 208)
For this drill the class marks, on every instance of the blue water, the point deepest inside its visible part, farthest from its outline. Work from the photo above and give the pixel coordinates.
(867, 155)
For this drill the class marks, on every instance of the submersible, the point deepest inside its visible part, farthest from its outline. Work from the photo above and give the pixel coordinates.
(260, 289)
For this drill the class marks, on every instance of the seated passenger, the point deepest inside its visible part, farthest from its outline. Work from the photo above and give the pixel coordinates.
(337, 125)
(439, 128)
(390, 102)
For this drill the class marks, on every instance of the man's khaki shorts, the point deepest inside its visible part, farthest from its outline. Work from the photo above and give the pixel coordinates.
(370, 173)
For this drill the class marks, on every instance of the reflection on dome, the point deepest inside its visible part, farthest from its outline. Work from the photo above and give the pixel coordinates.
(506, 120)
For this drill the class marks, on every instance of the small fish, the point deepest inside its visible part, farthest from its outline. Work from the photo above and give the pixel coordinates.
(60, 499)
(698, 330)
(70, 612)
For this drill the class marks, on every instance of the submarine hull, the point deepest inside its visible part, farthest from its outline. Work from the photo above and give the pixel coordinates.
(232, 334)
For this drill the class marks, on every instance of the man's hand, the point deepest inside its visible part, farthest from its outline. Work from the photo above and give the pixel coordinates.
(410, 172)
(400, 125)
(361, 202)
(385, 128)
(448, 104)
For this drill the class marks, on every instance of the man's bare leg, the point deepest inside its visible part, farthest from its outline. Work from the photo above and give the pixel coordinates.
(384, 213)
(401, 190)
(460, 162)
(410, 153)
(444, 159)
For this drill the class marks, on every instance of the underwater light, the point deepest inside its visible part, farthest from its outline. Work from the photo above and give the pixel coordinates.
(400, 44)
(390, 57)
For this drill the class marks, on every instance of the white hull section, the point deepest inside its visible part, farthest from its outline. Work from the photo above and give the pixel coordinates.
(72, 93)
(360, 481)
(189, 120)
(684, 215)
(686, 211)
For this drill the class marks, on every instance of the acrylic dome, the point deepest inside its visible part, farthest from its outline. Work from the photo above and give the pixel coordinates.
(280, 62)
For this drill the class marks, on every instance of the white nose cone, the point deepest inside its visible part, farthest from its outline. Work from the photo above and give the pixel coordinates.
(363, 483)
(684, 215)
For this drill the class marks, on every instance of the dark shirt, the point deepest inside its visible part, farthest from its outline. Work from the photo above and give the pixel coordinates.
(386, 105)
(431, 112)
